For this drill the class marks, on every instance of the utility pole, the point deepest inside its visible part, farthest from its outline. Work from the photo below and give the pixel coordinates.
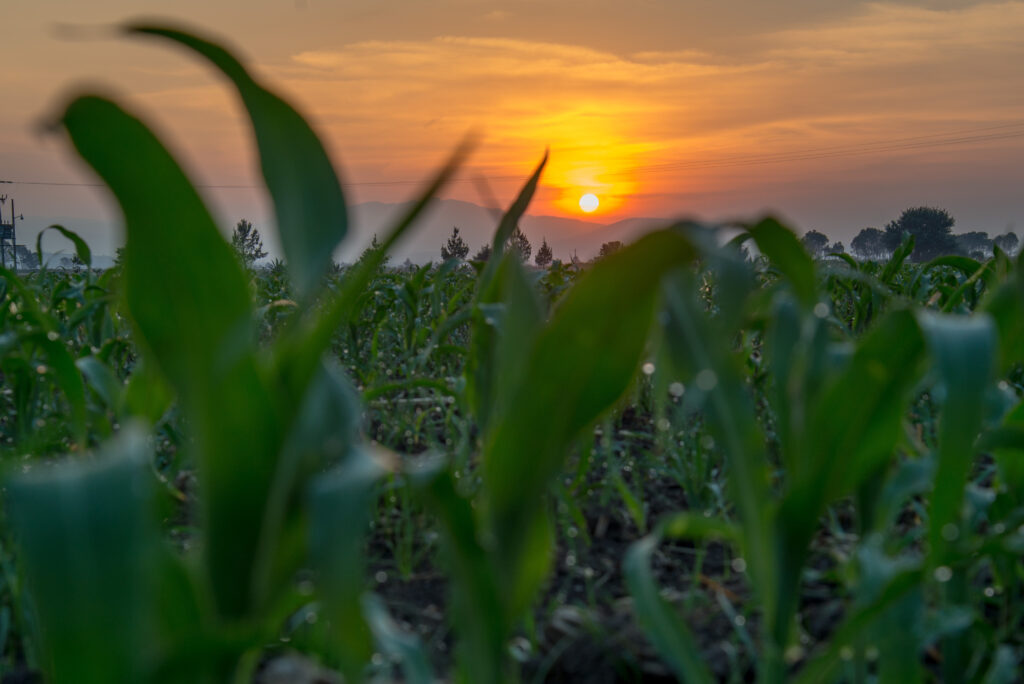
(8, 236)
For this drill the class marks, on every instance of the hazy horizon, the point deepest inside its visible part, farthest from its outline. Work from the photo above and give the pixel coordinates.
(834, 115)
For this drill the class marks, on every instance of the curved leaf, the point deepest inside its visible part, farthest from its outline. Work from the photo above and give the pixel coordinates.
(661, 622)
(189, 300)
(308, 200)
(81, 248)
(783, 248)
(84, 533)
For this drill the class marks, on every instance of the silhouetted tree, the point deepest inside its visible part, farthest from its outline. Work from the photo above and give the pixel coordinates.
(544, 255)
(974, 243)
(815, 243)
(277, 267)
(483, 254)
(27, 259)
(870, 244)
(1007, 243)
(609, 248)
(247, 243)
(456, 247)
(374, 246)
(836, 248)
(518, 242)
(932, 230)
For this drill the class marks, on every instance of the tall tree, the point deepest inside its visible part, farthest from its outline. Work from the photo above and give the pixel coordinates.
(815, 243)
(544, 256)
(932, 229)
(974, 243)
(27, 259)
(374, 246)
(1007, 243)
(455, 248)
(518, 242)
(609, 248)
(870, 244)
(247, 243)
(483, 254)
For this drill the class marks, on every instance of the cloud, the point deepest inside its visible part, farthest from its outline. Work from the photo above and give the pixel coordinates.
(890, 71)
(497, 15)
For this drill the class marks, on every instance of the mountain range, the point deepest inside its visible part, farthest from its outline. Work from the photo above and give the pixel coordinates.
(422, 242)
(476, 224)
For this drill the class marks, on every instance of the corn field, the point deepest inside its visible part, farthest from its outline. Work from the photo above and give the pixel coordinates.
(697, 459)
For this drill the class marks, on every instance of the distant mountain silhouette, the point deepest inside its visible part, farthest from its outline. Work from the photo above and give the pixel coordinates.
(422, 243)
(477, 224)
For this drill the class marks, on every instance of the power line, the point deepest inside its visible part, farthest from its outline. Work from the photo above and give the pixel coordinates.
(246, 186)
(949, 138)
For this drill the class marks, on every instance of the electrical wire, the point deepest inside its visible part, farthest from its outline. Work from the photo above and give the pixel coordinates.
(992, 133)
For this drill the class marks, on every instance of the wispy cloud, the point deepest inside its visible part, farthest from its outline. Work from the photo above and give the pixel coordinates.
(891, 71)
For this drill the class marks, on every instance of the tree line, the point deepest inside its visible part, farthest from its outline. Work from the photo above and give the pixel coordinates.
(932, 229)
(456, 248)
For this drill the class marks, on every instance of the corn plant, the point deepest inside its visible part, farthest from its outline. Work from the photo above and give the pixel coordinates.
(815, 389)
(839, 409)
(284, 483)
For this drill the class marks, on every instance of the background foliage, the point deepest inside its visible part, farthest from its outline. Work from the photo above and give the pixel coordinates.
(678, 461)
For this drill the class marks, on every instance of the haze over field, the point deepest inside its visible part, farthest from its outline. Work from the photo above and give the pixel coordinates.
(836, 115)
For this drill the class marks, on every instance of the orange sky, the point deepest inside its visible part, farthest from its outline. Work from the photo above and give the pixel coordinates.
(836, 113)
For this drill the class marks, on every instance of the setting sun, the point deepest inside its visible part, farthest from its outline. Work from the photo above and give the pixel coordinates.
(589, 202)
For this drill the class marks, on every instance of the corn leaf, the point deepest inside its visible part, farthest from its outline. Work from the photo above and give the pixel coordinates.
(667, 631)
(174, 259)
(308, 200)
(783, 248)
(84, 533)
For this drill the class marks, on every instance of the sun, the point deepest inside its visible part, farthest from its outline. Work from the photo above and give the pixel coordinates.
(589, 202)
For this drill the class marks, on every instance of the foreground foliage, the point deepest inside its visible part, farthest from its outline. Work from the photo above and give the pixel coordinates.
(770, 434)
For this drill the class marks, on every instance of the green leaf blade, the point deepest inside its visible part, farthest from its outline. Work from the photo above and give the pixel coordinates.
(312, 218)
(84, 533)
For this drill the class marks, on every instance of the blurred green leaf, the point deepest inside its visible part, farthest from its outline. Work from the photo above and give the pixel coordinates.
(824, 666)
(68, 377)
(146, 394)
(1004, 305)
(685, 525)
(174, 259)
(1007, 445)
(321, 436)
(661, 622)
(85, 533)
(174, 256)
(399, 644)
(899, 255)
(580, 365)
(690, 336)
(101, 378)
(477, 604)
(963, 350)
(82, 250)
(308, 200)
(852, 438)
(506, 320)
(783, 248)
(339, 519)
(297, 356)
(509, 222)
(1005, 667)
